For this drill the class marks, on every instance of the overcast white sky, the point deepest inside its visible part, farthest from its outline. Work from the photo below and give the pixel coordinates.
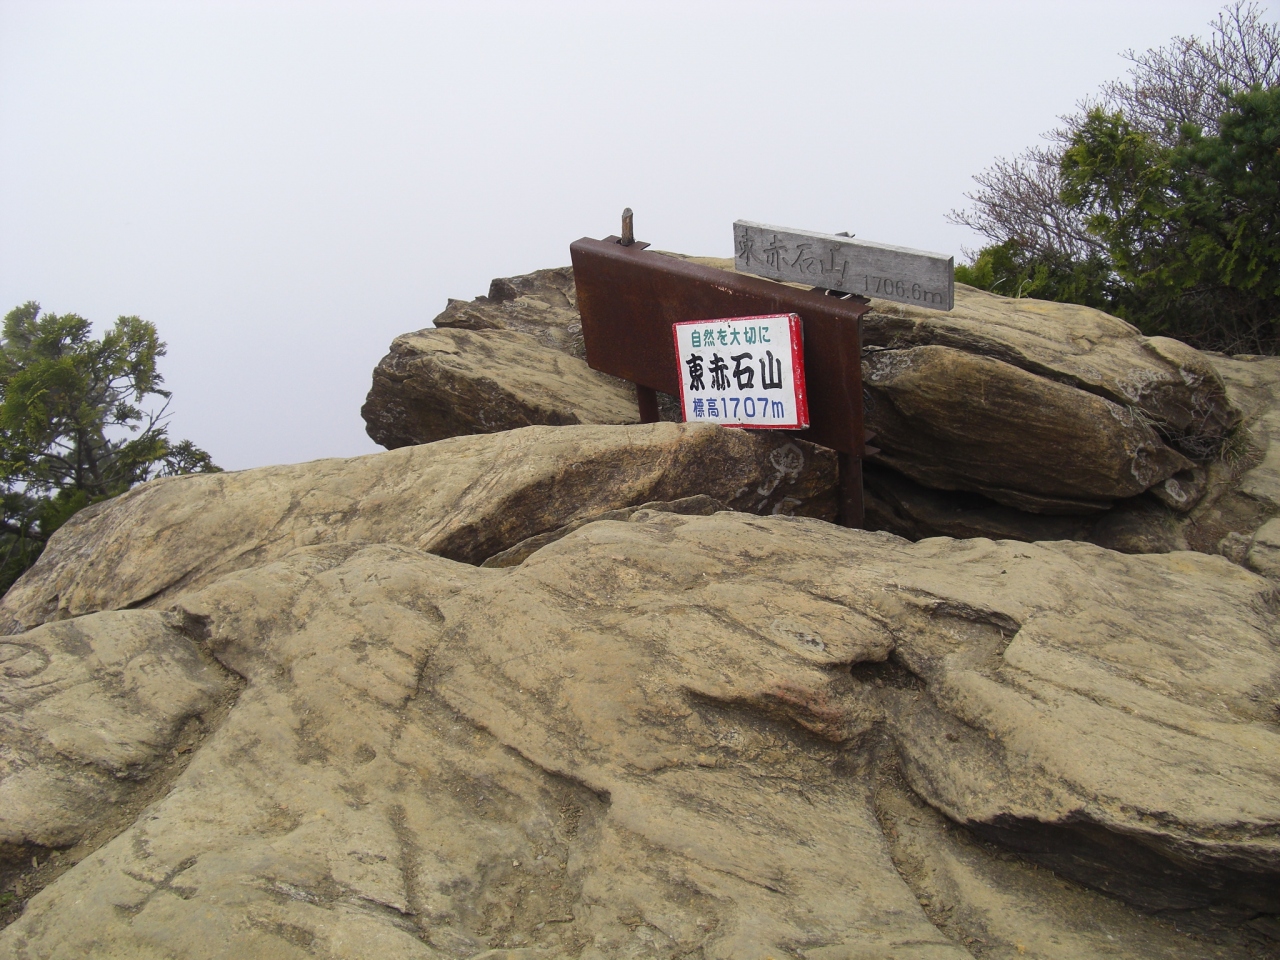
(282, 188)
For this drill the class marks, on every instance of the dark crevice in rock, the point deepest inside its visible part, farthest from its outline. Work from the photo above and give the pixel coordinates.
(1084, 851)
(891, 673)
(996, 901)
(410, 856)
(669, 408)
(899, 505)
(887, 779)
(1127, 868)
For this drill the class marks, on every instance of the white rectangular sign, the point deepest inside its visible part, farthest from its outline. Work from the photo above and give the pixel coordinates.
(850, 266)
(743, 371)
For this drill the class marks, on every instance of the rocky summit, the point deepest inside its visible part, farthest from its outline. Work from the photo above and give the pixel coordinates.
(1006, 418)
(542, 683)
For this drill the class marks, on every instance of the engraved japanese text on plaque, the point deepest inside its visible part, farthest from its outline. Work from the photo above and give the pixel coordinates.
(845, 265)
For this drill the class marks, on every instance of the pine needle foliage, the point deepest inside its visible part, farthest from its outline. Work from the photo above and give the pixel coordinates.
(73, 425)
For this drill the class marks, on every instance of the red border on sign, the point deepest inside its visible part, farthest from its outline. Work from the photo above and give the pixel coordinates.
(797, 370)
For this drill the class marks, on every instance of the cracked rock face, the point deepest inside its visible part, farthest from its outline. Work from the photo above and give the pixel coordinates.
(669, 735)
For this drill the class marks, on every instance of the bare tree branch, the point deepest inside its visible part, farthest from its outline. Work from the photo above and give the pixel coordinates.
(1188, 80)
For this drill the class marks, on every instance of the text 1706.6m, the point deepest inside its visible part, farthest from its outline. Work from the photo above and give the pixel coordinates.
(888, 287)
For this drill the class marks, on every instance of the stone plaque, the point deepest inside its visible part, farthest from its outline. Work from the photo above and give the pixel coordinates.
(844, 264)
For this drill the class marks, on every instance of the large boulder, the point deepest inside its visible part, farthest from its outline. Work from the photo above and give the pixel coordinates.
(723, 736)
(444, 383)
(467, 498)
(1222, 507)
(1050, 408)
(514, 358)
(1172, 386)
(953, 420)
(455, 766)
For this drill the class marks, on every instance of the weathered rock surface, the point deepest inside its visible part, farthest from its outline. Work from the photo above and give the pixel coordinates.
(542, 305)
(88, 714)
(1176, 689)
(414, 801)
(714, 736)
(1045, 407)
(1234, 495)
(1173, 386)
(1244, 483)
(466, 498)
(1264, 550)
(953, 420)
(447, 383)
(999, 905)
(701, 506)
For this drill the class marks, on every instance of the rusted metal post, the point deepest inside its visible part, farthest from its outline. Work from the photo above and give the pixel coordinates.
(850, 511)
(646, 397)
(647, 400)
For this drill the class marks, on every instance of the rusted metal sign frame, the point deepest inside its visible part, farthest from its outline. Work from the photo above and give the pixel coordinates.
(630, 297)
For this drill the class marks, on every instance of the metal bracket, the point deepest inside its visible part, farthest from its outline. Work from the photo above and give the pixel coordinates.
(629, 298)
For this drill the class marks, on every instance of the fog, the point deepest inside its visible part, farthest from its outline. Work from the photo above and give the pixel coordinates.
(282, 188)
